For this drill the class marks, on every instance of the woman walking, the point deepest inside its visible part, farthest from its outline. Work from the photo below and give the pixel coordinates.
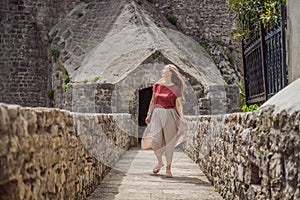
(164, 116)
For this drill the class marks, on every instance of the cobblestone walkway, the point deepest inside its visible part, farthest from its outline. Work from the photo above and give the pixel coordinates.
(132, 178)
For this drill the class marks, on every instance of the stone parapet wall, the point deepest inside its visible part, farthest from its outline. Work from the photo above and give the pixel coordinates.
(248, 155)
(55, 154)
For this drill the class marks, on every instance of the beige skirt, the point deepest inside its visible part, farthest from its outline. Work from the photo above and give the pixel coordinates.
(165, 130)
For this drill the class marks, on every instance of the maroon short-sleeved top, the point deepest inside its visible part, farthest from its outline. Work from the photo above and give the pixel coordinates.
(166, 95)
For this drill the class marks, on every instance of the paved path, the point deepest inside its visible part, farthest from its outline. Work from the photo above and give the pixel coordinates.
(132, 178)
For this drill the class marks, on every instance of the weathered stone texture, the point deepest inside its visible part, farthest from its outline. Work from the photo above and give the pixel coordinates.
(249, 155)
(24, 49)
(211, 22)
(54, 154)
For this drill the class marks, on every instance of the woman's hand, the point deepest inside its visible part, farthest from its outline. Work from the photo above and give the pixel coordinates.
(147, 119)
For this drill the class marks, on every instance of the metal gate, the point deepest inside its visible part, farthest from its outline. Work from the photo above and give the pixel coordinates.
(264, 60)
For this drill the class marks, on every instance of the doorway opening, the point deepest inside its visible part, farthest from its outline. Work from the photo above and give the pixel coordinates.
(145, 96)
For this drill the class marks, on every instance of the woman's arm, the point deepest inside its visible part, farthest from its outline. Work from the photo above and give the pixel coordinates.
(179, 107)
(151, 106)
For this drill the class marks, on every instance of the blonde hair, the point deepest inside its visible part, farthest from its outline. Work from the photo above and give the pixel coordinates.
(176, 77)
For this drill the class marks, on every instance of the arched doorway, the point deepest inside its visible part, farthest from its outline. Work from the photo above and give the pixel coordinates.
(144, 100)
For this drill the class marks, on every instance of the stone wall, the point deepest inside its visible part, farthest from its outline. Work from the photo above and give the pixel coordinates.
(248, 155)
(211, 23)
(55, 154)
(89, 97)
(25, 59)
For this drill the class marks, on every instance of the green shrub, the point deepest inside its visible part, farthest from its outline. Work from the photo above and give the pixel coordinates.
(154, 54)
(55, 53)
(65, 72)
(67, 80)
(204, 47)
(225, 79)
(80, 14)
(96, 79)
(172, 19)
(220, 42)
(250, 108)
(140, 2)
(231, 58)
(85, 81)
(50, 94)
(65, 88)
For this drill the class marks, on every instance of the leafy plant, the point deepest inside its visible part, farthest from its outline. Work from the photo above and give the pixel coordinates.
(250, 12)
(85, 81)
(50, 94)
(80, 14)
(220, 42)
(225, 79)
(67, 80)
(55, 53)
(231, 58)
(65, 88)
(250, 108)
(154, 54)
(172, 19)
(204, 47)
(140, 2)
(96, 79)
(65, 72)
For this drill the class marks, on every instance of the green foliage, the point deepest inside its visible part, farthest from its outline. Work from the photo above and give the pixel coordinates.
(220, 42)
(164, 30)
(50, 94)
(65, 72)
(55, 53)
(272, 12)
(85, 81)
(154, 54)
(250, 108)
(225, 79)
(140, 2)
(204, 47)
(231, 58)
(65, 88)
(80, 14)
(67, 80)
(96, 79)
(172, 19)
(250, 12)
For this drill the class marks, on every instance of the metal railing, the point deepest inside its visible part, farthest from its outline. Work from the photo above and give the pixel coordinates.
(264, 59)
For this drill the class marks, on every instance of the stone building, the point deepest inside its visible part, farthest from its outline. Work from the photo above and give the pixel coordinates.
(26, 53)
(113, 69)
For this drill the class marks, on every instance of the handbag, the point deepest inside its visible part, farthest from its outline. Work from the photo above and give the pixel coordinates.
(146, 139)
